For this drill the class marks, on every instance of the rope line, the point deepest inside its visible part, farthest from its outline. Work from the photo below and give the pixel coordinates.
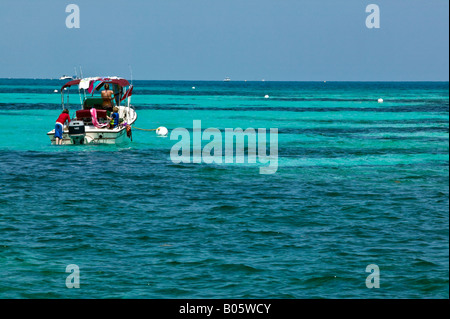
(143, 129)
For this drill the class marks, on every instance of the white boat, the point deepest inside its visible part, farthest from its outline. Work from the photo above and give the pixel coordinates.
(227, 79)
(88, 127)
(66, 77)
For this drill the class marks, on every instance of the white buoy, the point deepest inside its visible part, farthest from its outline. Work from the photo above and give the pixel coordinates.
(162, 131)
(380, 100)
(193, 87)
(56, 91)
(266, 97)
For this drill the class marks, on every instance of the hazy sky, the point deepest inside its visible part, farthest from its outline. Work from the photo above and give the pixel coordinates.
(304, 40)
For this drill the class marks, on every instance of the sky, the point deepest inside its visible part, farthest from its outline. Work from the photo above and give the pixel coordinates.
(275, 40)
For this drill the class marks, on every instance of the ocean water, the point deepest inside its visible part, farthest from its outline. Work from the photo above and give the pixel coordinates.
(358, 183)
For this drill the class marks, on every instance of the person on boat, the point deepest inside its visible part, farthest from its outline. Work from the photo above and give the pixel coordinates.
(114, 118)
(59, 126)
(108, 98)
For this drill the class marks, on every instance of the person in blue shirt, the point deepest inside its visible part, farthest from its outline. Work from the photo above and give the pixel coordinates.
(114, 118)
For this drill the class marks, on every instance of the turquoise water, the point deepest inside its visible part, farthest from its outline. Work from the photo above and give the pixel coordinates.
(358, 183)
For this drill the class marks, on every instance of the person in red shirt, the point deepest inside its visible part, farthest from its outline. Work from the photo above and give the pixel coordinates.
(59, 126)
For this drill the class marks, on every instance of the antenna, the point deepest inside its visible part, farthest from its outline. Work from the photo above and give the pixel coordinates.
(131, 74)
(130, 88)
(81, 76)
(79, 92)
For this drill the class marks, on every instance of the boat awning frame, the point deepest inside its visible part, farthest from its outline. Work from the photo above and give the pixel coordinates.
(120, 82)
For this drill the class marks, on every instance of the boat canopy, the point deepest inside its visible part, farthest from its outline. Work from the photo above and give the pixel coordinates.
(95, 83)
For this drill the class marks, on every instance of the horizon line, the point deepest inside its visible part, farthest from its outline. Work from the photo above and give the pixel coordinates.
(185, 80)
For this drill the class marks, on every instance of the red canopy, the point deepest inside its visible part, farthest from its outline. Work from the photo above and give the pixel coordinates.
(120, 82)
(70, 83)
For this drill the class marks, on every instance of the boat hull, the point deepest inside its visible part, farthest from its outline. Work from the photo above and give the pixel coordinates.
(94, 136)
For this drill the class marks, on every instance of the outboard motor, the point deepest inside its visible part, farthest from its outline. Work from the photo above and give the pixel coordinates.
(77, 132)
